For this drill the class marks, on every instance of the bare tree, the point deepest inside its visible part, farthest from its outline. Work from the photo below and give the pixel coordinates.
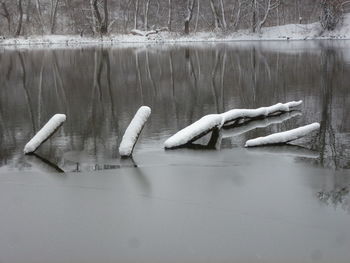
(332, 12)
(146, 14)
(170, 13)
(20, 21)
(271, 5)
(6, 14)
(254, 8)
(215, 14)
(102, 22)
(223, 18)
(188, 18)
(53, 15)
(136, 13)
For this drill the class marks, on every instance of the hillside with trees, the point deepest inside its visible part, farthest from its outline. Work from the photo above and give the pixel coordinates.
(103, 17)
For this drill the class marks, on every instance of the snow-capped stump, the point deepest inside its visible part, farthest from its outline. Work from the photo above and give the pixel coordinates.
(235, 114)
(283, 137)
(196, 130)
(133, 131)
(45, 132)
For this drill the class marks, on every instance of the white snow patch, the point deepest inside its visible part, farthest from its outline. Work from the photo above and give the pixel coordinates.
(133, 131)
(283, 137)
(44, 133)
(263, 111)
(197, 128)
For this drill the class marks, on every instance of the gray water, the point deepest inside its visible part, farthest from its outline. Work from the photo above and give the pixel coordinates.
(197, 204)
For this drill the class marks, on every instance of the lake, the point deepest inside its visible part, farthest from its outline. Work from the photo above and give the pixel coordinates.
(77, 201)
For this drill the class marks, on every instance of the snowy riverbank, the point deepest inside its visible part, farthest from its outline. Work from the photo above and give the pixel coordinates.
(285, 32)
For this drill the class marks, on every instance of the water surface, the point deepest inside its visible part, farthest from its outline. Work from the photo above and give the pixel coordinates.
(269, 204)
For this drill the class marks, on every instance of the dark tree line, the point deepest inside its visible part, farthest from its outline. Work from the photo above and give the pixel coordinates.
(101, 17)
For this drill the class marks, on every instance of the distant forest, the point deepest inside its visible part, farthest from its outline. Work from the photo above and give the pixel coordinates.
(102, 17)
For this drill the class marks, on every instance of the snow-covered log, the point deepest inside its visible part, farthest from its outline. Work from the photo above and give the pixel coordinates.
(138, 32)
(255, 124)
(49, 128)
(196, 130)
(133, 131)
(284, 137)
(236, 114)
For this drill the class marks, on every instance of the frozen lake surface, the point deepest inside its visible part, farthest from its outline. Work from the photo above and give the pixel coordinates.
(198, 204)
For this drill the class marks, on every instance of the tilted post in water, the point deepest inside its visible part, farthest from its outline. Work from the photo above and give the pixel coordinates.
(133, 131)
(195, 131)
(45, 132)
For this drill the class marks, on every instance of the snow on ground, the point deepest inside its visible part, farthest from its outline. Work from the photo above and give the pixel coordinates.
(133, 131)
(284, 32)
(45, 132)
(194, 130)
(284, 137)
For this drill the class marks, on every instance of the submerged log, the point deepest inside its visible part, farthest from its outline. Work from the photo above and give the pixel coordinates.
(45, 132)
(211, 122)
(284, 137)
(133, 131)
(237, 115)
(257, 123)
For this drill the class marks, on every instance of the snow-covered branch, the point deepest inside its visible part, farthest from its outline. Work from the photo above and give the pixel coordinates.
(284, 137)
(195, 131)
(255, 124)
(235, 114)
(211, 122)
(49, 128)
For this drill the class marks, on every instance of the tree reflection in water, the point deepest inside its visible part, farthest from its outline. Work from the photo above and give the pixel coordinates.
(100, 88)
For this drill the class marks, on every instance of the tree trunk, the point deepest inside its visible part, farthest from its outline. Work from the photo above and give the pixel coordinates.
(253, 22)
(190, 7)
(93, 16)
(224, 24)
(104, 26)
(97, 15)
(146, 15)
(215, 14)
(54, 6)
(197, 17)
(238, 15)
(169, 14)
(19, 26)
(136, 13)
(38, 9)
(6, 14)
